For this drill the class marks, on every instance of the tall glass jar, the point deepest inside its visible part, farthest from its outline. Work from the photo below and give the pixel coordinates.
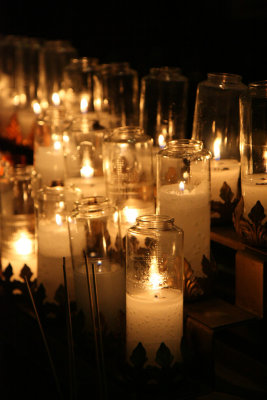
(163, 104)
(18, 240)
(216, 122)
(50, 140)
(154, 287)
(53, 206)
(120, 87)
(127, 162)
(250, 217)
(95, 243)
(183, 192)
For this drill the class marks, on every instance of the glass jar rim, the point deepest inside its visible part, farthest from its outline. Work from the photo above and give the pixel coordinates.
(185, 148)
(155, 221)
(128, 134)
(166, 73)
(258, 84)
(92, 206)
(224, 76)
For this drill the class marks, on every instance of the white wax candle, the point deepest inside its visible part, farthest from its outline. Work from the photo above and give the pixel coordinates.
(152, 320)
(93, 186)
(254, 188)
(53, 245)
(191, 212)
(49, 163)
(224, 171)
(111, 295)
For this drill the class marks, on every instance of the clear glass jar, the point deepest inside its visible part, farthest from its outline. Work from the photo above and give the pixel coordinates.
(183, 192)
(51, 137)
(163, 105)
(80, 85)
(18, 241)
(53, 206)
(95, 243)
(253, 138)
(120, 91)
(154, 286)
(127, 163)
(216, 122)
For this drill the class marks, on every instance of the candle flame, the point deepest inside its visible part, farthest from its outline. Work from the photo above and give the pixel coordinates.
(265, 159)
(84, 105)
(216, 148)
(55, 99)
(161, 141)
(57, 145)
(23, 245)
(181, 186)
(36, 108)
(59, 221)
(130, 214)
(155, 279)
(97, 104)
(87, 171)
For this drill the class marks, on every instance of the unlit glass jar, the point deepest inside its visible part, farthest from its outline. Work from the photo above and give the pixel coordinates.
(154, 287)
(96, 249)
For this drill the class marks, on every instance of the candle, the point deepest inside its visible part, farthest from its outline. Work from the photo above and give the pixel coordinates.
(154, 319)
(19, 248)
(53, 245)
(190, 208)
(110, 284)
(254, 188)
(228, 171)
(49, 162)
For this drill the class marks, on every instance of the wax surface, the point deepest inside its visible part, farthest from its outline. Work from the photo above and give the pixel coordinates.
(254, 188)
(224, 171)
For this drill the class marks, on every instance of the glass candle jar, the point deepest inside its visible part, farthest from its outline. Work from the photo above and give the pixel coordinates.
(216, 122)
(50, 139)
(53, 206)
(127, 163)
(119, 85)
(95, 242)
(183, 192)
(250, 218)
(154, 287)
(163, 104)
(18, 241)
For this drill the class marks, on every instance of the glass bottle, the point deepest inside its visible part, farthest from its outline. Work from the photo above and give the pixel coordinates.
(163, 104)
(216, 122)
(96, 249)
(183, 192)
(250, 218)
(154, 287)
(127, 163)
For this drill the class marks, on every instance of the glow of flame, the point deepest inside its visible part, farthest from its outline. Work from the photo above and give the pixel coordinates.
(181, 186)
(97, 104)
(84, 105)
(161, 141)
(55, 99)
(57, 145)
(23, 245)
(36, 108)
(155, 280)
(87, 171)
(59, 220)
(130, 214)
(16, 100)
(265, 159)
(216, 148)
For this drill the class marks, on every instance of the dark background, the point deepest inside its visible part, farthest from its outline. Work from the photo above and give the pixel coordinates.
(197, 36)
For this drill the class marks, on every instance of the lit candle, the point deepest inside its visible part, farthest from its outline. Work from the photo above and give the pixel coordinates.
(223, 170)
(131, 209)
(254, 188)
(19, 249)
(49, 161)
(154, 316)
(190, 208)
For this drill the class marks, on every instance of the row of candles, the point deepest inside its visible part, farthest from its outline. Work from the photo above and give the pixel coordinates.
(113, 195)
